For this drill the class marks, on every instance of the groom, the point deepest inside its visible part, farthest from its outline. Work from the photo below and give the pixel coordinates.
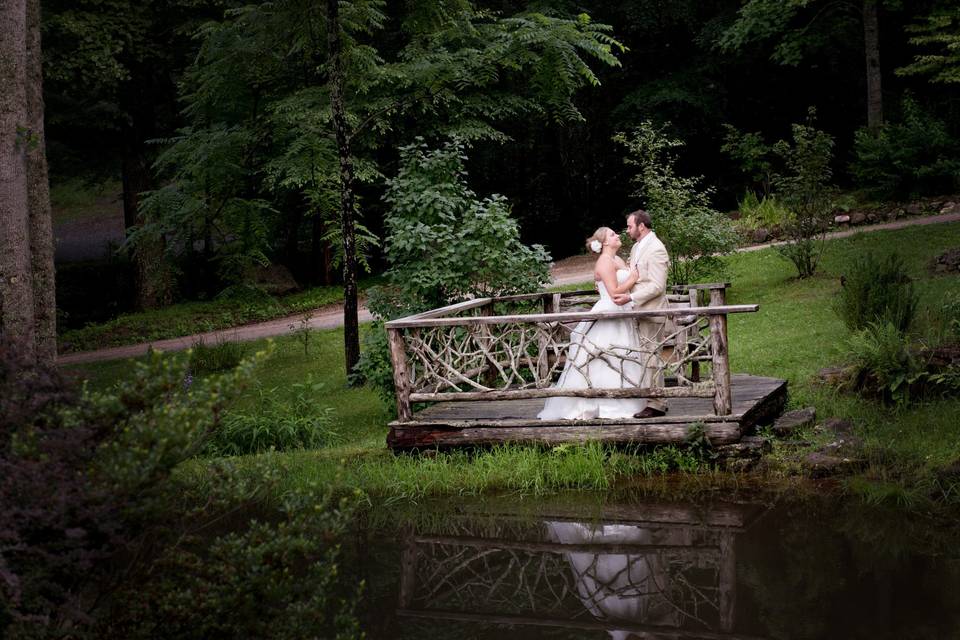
(649, 257)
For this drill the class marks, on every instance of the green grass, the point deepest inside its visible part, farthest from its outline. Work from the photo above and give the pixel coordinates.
(188, 318)
(795, 333)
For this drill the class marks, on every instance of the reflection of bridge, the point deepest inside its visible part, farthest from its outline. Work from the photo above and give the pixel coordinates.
(650, 571)
(486, 366)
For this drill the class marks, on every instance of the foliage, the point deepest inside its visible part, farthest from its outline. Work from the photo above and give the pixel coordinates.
(883, 364)
(444, 244)
(765, 213)
(110, 456)
(276, 423)
(876, 290)
(695, 234)
(225, 354)
(804, 189)
(938, 32)
(753, 154)
(913, 157)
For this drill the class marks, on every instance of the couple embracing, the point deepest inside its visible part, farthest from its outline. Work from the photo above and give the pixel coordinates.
(615, 354)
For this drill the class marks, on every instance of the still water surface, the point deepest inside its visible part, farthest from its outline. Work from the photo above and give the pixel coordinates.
(652, 569)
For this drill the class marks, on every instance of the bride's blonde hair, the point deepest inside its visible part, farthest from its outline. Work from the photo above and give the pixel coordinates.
(600, 235)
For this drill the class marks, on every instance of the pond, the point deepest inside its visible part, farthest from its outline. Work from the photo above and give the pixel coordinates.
(643, 568)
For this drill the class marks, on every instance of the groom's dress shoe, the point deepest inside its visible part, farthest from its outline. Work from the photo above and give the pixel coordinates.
(650, 412)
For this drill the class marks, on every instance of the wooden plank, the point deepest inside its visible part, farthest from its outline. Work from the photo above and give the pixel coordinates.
(698, 391)
(451, 309)
(401, 373)
(493, 423)
(414, 436)
(647, 631)
(599, 548)
(572, 316)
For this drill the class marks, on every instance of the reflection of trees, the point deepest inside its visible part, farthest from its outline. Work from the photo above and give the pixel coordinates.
(672, 575)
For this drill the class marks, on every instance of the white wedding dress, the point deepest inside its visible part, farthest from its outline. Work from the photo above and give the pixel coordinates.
(608, 372)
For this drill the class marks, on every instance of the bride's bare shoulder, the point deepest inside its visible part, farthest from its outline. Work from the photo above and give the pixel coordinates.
(604, 264)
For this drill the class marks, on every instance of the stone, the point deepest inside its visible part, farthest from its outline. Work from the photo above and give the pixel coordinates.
(841, 219)
(760, 236)
(947, 262)
(748, 447)
(832, 376)
(792, 421)
(914, 209)
(274, 279)
(950, 207)
(838, 426)
(821, 465)
(872, 218)
(858, 217)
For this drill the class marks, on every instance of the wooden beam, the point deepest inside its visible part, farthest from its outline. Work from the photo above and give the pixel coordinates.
(698, 391)
(649, 631)
(407, 436)
(401, 374)
(597, 548)
(723, 400)
(467, 423)
(571, 316)
(450, 309)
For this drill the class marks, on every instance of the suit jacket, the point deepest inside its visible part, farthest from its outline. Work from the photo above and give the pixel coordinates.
(652, 262)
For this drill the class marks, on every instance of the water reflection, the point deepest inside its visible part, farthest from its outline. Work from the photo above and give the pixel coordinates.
(642, 571)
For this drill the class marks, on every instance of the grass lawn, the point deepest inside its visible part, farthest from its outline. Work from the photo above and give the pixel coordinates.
(795, 334)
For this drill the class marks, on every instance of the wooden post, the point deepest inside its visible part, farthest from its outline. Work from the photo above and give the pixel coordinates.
(401, 375)
(722, 400)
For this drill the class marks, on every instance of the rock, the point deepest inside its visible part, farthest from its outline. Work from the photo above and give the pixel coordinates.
(792, 421)
(841, 219)
(832, 376)
(275, 279)
(822, 465)
(760, 235)
(872, 218)
(948, 262)
(950, 207)
(838, 426)
(858, 217)
(914, 209)
(749, 446)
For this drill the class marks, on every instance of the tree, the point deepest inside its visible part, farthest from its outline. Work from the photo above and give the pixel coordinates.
(695, 234)
(449, 69)
(27, 310)
(804, 26)
(939, 33)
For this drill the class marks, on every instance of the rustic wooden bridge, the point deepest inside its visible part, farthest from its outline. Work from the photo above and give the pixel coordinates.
(478, 372)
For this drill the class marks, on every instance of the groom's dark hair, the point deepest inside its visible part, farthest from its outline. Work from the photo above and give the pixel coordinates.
(642, 216)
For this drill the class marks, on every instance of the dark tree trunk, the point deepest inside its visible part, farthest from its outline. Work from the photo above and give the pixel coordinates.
(351, 328)
(871, 39)
(16, 275)
(38, 197)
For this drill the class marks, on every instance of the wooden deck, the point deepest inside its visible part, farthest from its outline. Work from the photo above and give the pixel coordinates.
(755, 400)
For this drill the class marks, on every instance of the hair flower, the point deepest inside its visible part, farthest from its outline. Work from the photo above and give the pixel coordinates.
(595, 246)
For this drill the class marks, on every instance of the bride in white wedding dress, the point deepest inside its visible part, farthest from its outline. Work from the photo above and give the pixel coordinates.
(590, 337)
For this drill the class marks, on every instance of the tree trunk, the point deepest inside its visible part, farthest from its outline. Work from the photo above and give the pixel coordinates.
(38, 198)
(871, 38)
(16, 278)
(351, 328)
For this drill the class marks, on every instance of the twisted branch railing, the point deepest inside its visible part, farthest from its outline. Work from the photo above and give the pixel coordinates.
(445, 355)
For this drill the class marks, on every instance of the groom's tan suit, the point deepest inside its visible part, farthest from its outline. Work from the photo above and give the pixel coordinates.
(650, 258)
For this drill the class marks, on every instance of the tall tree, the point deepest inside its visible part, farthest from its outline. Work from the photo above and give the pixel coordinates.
(802, 27)
(27, 310)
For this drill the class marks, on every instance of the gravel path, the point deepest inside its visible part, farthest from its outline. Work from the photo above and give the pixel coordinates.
(568, 271)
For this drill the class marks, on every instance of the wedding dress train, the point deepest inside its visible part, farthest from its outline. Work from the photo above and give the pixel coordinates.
(605, 372)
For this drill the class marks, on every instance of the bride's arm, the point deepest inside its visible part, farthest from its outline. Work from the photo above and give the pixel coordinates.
(607, 270)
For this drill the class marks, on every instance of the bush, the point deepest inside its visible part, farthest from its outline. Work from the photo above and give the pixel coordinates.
(910, 158)
(695, 234)
(765, 213)
(877, 290)
(222, 356)
(882, 363)
(278, 423)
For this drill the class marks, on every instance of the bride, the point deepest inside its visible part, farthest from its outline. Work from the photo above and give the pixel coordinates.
(589, 338)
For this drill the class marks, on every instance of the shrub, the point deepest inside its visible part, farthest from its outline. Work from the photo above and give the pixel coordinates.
(882, 363)
(877, 290)
(695, 234)
(277, 423)
(223, 355)
(913, 157)
(764, 213)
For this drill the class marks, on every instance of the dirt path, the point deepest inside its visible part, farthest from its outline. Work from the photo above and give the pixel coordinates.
(567, 271)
